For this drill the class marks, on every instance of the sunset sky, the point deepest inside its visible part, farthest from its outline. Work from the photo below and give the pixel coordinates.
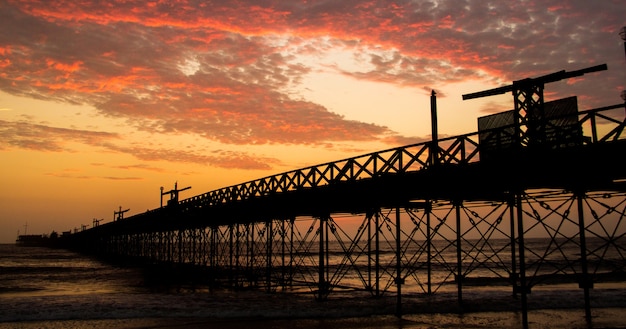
(104, 102)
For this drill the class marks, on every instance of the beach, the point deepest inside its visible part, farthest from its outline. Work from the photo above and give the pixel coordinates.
(48, 288)
(542, 319)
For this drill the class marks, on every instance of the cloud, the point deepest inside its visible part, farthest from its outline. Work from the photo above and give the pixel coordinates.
(224, 159)
(223, 70)
(66, 174)
(493, 107)
(141, 166)
(38, 137)
(24, 135)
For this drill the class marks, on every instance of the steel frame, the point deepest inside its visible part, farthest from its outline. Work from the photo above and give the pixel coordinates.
(290, 254)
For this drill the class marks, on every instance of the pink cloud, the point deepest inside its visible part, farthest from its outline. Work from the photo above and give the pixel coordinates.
(125, 58)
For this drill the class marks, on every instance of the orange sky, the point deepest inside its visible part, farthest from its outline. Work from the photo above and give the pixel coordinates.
(102, 103)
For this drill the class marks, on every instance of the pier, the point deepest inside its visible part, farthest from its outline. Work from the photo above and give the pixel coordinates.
(535, 197)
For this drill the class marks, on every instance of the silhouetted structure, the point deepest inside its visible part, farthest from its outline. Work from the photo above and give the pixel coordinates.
(173, 201)
(476, 198)
(119, 214)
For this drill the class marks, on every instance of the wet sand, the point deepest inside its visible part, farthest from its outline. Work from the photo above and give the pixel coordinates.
(538, 319)
(254, 309)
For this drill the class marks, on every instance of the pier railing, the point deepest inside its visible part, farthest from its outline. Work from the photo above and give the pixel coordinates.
(596, 126)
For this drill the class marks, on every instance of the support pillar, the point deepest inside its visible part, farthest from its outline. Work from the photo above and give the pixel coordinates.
(399, 279)
(369, 252)
(237, 256)
(522, 262)
(322, 284)
(270, 247)
(459, 259)
(514, 277)
(283, 234)
(230, 255)
(585, 281)
(429, 208)
(180, 246)
(252, 255)
(377, 255)
(291, 269)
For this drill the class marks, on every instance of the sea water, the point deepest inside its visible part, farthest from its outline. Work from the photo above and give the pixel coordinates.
(55, 288)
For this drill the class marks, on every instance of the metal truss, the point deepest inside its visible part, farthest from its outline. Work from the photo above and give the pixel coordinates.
(599, 125)
(565, 237)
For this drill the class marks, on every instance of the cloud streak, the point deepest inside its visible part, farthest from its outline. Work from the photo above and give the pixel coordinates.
(36, 137)
(24, 135)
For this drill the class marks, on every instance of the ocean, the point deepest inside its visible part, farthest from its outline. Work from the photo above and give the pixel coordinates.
(56, 288)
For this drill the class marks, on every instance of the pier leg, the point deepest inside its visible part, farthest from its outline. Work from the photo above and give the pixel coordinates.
(399, 279)
(369, 252)
(180, 246)
(377, 251)
(459, 260)
(213, 255)
(238, 281)
(522, 262)
(585, 282)
(194, 246)
(270, 247)
(322, 258)
(327, 281)
(170, 246)
(513, 259)
(246, 255)
(252, 256)
(428, 248)
(291, 263)
(212, 251)
(283, 249)
(230, 255)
